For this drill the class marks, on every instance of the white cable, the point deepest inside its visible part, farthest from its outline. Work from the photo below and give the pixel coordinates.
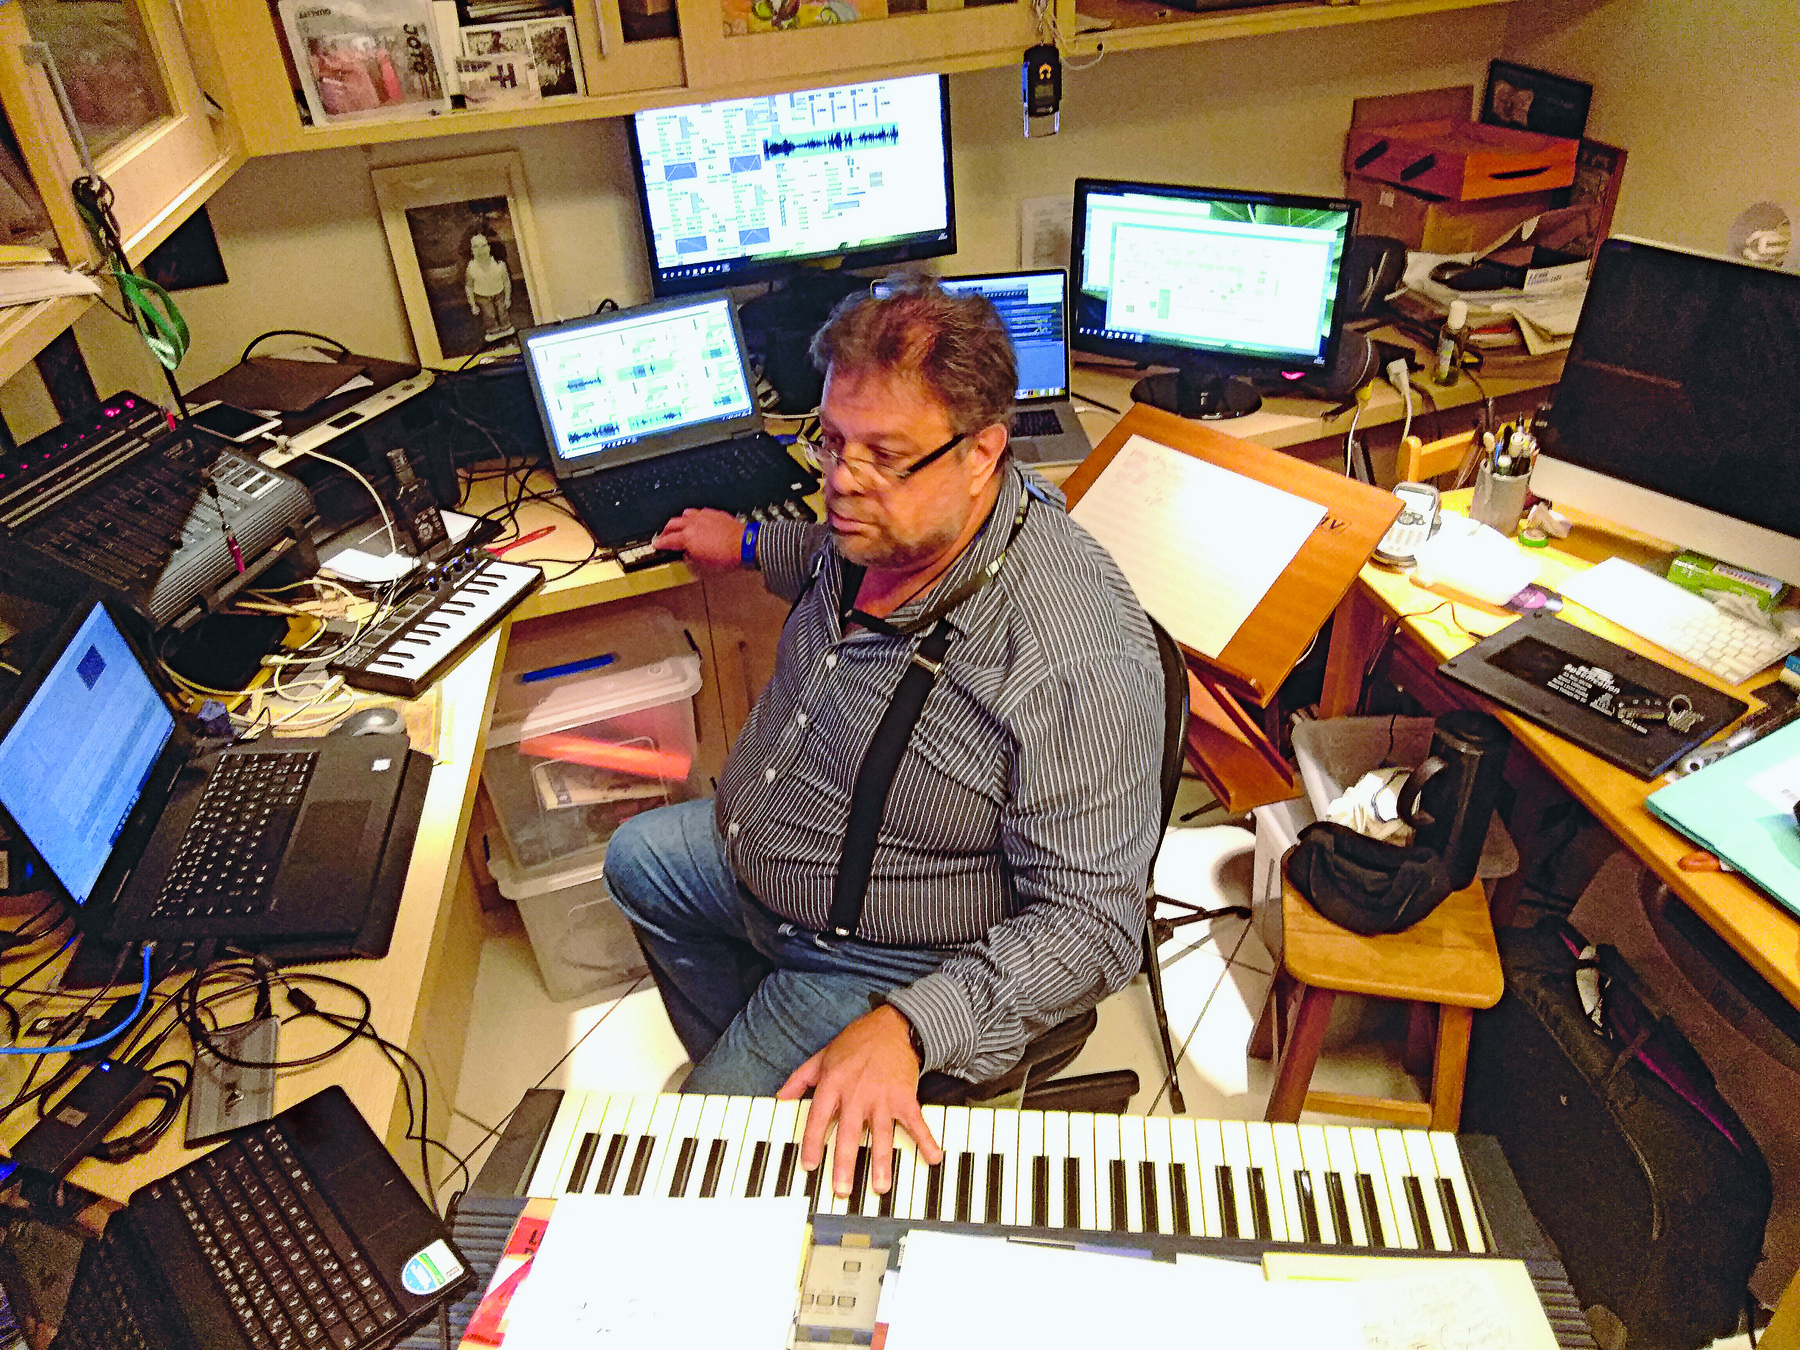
(1401, 378)
(381, 506)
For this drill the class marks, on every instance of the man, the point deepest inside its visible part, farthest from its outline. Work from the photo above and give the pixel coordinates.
(1006, 890)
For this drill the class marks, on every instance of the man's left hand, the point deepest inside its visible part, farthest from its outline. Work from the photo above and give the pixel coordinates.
(867, 1077)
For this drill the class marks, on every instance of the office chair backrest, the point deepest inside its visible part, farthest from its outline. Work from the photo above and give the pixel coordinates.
(1175, 720)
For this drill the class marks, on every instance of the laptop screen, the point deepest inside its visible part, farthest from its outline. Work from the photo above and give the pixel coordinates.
(75, 762)
(621, 381)
(1031, 305)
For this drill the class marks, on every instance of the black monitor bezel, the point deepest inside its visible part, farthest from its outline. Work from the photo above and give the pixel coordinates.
(1176, 354)
(747, 271)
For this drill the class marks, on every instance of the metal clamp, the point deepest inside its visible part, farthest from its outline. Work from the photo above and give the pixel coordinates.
(39, 54)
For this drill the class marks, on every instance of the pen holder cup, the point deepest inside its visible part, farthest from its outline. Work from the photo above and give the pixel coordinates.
(1499, 502)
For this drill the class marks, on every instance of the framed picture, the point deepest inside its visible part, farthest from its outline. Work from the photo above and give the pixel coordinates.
(465, 251)
(1535, 100)
(1599, 170)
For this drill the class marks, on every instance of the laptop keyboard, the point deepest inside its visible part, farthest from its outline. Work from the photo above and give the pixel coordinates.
(290, 1273)
(105, 1304)
(227, 858)
(752, 462)
(1036, 422)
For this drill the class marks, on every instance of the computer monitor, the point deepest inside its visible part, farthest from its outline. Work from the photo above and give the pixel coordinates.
(1678, 412)
(749, 189)
(1213, 281)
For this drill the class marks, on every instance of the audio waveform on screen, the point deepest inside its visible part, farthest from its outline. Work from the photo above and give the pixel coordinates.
(593, 434)
(834, 142)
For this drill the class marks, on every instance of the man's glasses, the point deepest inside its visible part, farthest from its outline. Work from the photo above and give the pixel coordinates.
(827, 453)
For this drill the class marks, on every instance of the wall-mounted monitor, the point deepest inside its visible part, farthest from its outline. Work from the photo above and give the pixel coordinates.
(1213, 281)
(1678, 412)
(749, 189)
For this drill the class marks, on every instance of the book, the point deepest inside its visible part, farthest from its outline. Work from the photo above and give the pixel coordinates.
(365, 59)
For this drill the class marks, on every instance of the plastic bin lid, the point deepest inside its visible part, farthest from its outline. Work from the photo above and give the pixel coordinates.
(518, 883)
(575, 702)
(637, 639)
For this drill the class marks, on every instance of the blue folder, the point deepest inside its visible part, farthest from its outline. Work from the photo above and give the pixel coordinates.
(1741, 808)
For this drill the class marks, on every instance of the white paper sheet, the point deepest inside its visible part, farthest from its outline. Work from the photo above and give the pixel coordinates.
(1200, 545)
(649, 1273)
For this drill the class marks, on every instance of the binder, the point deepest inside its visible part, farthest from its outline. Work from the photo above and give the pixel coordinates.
(1227, 745)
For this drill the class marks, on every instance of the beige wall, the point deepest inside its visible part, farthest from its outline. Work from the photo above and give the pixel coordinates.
(1705, 94)
(303, 243)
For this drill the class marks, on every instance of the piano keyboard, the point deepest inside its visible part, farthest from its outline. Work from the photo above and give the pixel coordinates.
(1364, 1187)
(455, 604)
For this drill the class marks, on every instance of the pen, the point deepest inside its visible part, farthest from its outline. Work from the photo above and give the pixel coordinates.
(498, 549)
(567, 667)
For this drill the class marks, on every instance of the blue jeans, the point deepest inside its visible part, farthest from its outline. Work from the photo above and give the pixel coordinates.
(751, 997)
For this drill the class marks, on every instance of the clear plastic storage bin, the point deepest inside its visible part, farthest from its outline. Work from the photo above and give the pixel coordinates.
(581, 941)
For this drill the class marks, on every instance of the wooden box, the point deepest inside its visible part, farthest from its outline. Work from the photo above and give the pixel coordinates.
(1433, 226)
(1460, 160)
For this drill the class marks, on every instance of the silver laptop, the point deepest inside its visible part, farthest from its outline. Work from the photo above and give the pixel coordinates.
(1034, 306)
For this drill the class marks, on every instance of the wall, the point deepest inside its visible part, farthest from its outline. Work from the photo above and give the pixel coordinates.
(1705, 94)
(303, 244)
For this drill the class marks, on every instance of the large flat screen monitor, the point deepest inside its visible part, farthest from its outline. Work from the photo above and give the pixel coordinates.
(1213, 281)
(1678, 412)
(746, 189)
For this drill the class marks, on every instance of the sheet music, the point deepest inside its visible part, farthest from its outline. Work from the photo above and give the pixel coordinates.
(1200, 545)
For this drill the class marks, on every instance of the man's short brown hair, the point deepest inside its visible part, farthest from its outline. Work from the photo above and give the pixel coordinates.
(954, 345)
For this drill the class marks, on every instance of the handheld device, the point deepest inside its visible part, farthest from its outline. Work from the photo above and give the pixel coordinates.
(232, 423)
(1417, 522)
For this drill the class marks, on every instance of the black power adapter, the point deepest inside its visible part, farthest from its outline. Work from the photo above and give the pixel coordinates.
(81, 1119)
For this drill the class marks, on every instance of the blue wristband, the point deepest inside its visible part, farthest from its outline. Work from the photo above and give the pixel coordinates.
(747, 552)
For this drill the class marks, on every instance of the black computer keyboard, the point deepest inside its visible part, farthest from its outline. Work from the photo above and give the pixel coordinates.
(290, 1273)
(226, 862)
(1036, 422)
(107, 1304)
(628, 504)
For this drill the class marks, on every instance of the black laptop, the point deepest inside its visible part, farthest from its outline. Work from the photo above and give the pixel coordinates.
(266, 843)
(652, 410)
(299, 1232)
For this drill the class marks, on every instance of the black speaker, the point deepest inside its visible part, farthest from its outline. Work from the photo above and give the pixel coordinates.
(1356, 364)
(1374, 263)
(788, 367)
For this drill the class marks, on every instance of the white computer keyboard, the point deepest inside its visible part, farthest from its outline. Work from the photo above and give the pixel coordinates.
(1689, 625)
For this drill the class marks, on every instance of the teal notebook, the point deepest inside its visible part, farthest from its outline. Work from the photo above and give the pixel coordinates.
(1742, 808)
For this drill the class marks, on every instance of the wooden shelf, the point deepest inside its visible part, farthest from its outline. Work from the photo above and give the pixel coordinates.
(25, 329)
(1141, 24)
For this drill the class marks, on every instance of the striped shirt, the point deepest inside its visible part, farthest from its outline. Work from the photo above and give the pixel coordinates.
(1025, 809)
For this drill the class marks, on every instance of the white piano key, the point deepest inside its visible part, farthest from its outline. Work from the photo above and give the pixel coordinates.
(955, 1140)
(1450, 1166)
(1006, 1145)
(683, 1126)
(921, 1170)
(758, 1122)
(733, 1127)
(633, 1130)
(1261, 1142)
(1423, 1166)
(1288, 1160)
(612, 1153)
(1030, 1149)
(898, 1204)
(1366, 1143)
(782, 1172)
(1235, 1142)
(1316, 1157)
(791, 1176)
(1056, 1149)
(1132, 1154)
(1159, 1152)
(1394, 1165)
(829, 1201)
(1198, 1150)
(660, 1133)
(1111, 1211)
(980, 1149)
(1343, 1165)
(1081, 1176)
(552, 1170)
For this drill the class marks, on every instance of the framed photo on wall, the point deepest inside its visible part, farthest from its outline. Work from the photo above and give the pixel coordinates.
(465, 251)
(1535, 100)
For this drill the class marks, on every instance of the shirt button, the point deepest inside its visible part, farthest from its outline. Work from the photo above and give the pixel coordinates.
(769, 775)
(732, 829)
(831, 661)
(800, 718)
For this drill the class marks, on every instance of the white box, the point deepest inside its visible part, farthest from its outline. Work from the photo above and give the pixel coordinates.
(1278, 827)
(581, 941)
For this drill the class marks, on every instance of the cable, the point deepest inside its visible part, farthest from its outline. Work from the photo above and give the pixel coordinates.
(288, 332)
(357, 474)
(94, 1041)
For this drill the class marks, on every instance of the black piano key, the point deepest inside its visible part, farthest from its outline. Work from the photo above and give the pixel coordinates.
(1415, 1201)
(1259, 1206)
(1178, 1201)
(816, 1185)
(1115, 1182)
(996, 1179)
(934, 1191)
(1340, 1208)
(1147, 1184)
(1227, 1200)
(965, 1186)
(1071, 1192)
(684, 1168)
(1309, 1209)
(784, 1172)
(584, 1158)
(609, 1170)
(715, 1162)
(1459, 1232)
(859, 1183)
(1365, 1192)
(759, 1162)
(640, 1164)
(886, 1206)
(1040, 1191)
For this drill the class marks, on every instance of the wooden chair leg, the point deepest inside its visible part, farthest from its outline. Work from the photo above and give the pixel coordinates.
(1421, 1039)
(1451, 1067)
(1271, 1024)
(1294, 1068)
(1153, 969)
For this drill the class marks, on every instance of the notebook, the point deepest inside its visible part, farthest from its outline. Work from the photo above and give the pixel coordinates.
(1034, 306)
(151, 837)
(301, 1231)
(651, 410)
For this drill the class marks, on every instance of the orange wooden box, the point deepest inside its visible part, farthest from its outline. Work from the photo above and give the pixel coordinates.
(1462, 161)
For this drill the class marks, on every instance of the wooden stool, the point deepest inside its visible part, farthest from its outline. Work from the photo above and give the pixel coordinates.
(1447, 960)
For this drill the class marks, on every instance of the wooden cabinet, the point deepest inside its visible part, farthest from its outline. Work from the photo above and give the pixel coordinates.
(1132, 25)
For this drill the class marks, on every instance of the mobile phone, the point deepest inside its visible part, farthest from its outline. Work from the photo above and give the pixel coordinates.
(230, 423)
(1417, 522)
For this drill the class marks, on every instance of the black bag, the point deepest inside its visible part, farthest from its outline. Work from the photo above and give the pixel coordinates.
(1648, 1183)
(1366, 885)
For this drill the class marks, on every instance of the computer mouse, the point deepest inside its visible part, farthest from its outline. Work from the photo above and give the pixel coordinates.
(371, 722)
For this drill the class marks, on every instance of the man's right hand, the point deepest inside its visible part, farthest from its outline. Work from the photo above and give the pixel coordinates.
(712, 539)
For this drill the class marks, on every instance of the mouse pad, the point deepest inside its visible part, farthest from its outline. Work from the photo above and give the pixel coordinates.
(1567, 679)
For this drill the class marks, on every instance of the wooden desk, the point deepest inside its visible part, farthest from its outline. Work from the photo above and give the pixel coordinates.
(1761, 931)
